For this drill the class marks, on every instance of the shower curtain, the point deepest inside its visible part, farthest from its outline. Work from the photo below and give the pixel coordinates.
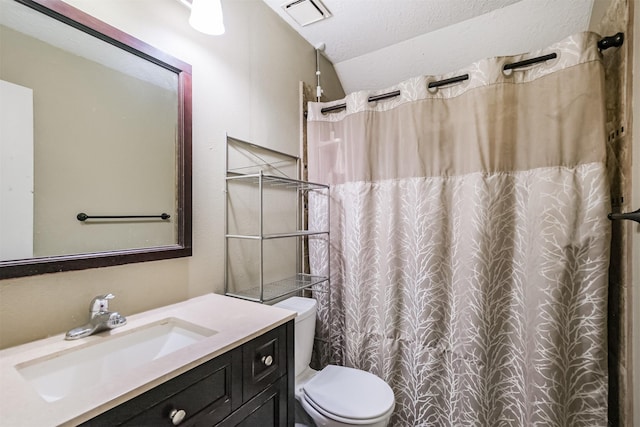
(469, 241)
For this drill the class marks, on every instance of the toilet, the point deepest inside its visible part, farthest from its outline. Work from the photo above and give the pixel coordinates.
(336, 396)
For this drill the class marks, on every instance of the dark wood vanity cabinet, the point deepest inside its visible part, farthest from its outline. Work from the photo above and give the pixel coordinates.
(249, 386)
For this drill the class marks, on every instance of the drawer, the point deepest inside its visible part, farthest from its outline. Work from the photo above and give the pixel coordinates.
(210, 391)
(264, 361)
(205, 390)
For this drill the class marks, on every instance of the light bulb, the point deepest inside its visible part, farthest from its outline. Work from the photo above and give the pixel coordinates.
(206, 17)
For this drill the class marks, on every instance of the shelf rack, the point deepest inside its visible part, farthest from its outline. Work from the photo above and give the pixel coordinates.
(254, 175)
(274, 290)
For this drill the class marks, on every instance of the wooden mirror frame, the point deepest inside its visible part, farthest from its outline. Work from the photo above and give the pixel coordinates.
(57, 9)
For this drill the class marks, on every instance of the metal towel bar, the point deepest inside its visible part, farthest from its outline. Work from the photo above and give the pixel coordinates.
(83, 216)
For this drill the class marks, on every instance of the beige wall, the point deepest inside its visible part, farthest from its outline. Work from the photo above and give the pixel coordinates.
(245, 83)
(635, 240)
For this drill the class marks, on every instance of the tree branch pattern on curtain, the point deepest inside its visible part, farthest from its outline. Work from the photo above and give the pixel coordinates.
(469, 242)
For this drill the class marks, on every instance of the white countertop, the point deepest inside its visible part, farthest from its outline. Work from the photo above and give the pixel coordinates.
(236, 322)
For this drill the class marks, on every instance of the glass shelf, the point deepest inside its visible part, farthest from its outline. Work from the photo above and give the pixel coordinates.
(275, 181)
(280, 288)
(300, 233)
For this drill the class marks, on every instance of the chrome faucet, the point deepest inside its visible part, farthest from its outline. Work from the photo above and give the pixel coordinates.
(100, 319)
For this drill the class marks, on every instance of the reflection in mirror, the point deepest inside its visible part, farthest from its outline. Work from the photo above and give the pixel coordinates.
(91, 121)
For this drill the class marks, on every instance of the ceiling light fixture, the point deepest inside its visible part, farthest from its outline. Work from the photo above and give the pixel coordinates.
(206, 17)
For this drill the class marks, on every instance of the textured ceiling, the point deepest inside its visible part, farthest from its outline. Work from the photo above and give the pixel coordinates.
(358, 27)
(375, 44)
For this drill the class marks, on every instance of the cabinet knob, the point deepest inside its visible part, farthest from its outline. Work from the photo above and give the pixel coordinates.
(177, 416)
(267, 360)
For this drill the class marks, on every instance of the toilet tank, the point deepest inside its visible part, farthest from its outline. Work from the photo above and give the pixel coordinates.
(305, 328)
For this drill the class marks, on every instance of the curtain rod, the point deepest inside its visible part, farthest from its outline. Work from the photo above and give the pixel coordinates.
(632, 216)
(370, 99)
(603, 44)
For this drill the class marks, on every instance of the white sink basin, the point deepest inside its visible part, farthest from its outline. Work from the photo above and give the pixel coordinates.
(58, 375)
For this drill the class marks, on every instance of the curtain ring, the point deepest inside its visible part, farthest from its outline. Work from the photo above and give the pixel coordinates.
(507, 73)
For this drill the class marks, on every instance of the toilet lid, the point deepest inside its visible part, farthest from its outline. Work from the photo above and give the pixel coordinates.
(349, 393)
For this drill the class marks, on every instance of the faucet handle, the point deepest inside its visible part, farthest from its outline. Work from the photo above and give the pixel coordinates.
(100, 303)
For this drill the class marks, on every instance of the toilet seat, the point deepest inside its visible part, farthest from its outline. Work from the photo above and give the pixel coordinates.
(349, 395)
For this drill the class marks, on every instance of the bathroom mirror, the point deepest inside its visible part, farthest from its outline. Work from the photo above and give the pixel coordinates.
(95, 144)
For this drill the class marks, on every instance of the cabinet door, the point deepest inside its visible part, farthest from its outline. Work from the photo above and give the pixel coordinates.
(264, 361)
(267, 409)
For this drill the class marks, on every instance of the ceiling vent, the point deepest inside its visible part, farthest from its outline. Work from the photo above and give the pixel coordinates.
(306, 12)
